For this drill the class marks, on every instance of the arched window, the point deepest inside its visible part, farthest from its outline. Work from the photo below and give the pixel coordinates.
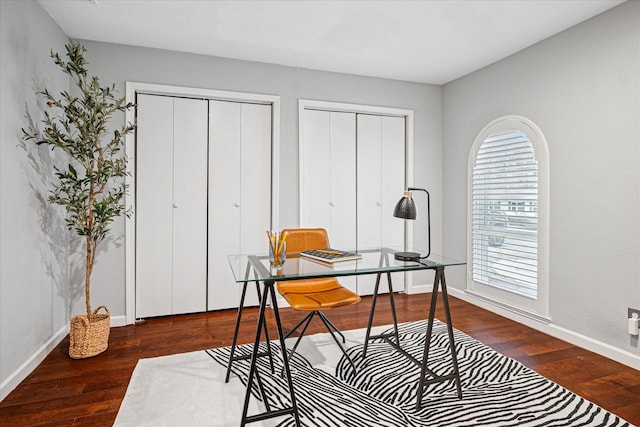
(508, 216)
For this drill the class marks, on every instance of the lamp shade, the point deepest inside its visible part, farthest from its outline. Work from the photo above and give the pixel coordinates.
(406, 208)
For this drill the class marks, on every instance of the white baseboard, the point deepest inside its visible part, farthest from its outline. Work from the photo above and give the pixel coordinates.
(8, 385)
(599, 347)
(117, 321)
(31, 363)
(421, 287)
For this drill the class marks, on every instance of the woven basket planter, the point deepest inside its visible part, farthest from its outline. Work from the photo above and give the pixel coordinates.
(88, 339)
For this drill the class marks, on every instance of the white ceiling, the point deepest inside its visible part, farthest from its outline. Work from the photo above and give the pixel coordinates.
(431, 41)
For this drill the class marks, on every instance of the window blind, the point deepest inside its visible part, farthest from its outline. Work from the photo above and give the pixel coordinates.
(505, 214)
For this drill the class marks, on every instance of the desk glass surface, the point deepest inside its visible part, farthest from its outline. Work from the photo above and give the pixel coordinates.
(253, 268)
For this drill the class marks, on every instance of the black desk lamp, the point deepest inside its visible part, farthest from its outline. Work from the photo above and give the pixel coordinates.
(406, 209)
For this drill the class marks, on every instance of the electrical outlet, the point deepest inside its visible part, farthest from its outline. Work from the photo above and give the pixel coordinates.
(634, 315)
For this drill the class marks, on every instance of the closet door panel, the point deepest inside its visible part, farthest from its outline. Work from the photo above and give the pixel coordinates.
(190, 206)
(315, 164)
(393, 185)
(224, 202)
(255, 178)
(342, 175)
(154, 212)
(393, 179)
(369, 147)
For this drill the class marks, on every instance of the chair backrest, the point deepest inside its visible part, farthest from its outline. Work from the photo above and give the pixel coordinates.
(303, 239)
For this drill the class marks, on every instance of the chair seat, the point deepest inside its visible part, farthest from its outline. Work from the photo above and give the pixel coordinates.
(317, 294)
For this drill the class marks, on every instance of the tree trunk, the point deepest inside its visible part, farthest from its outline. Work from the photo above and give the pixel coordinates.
(90, 246)
(87, 277)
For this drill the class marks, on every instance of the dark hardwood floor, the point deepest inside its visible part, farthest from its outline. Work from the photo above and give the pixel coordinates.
(66, 392)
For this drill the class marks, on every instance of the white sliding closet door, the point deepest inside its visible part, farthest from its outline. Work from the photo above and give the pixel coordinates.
(328, 178)
(171, 204)
(315, 161)
(369, 181)
(343, 188)
(224, 208)
(352, 172)
(381, 171)
(239, 193)
(328, 175)
(189, 206)
(393, 134)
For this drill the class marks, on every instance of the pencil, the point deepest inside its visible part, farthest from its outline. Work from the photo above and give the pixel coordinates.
(325, 251)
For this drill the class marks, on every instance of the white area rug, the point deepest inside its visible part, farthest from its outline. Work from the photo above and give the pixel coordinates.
(189, 390)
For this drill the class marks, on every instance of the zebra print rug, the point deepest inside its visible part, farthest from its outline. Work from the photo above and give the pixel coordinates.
(497, 391)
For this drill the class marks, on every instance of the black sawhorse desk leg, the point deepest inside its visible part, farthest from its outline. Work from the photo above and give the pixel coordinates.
(253, 370)
(424, 370)
(232, 356)
(372, 311)
(455, 375)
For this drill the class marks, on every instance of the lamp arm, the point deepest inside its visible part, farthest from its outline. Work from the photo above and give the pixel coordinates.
(428, 219)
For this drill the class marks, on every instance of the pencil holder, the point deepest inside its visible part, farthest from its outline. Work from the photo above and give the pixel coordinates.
(277, 255)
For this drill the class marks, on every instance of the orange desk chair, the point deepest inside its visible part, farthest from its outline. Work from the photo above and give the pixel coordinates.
(314, 295)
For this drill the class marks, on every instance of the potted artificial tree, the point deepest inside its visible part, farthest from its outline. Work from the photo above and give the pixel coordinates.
(91, 187)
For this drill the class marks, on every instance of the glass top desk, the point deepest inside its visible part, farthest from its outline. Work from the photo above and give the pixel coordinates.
(256, 269)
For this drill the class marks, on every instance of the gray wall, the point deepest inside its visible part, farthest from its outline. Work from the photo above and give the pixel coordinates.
(118, 64)
(34, 243)
(582, 88)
